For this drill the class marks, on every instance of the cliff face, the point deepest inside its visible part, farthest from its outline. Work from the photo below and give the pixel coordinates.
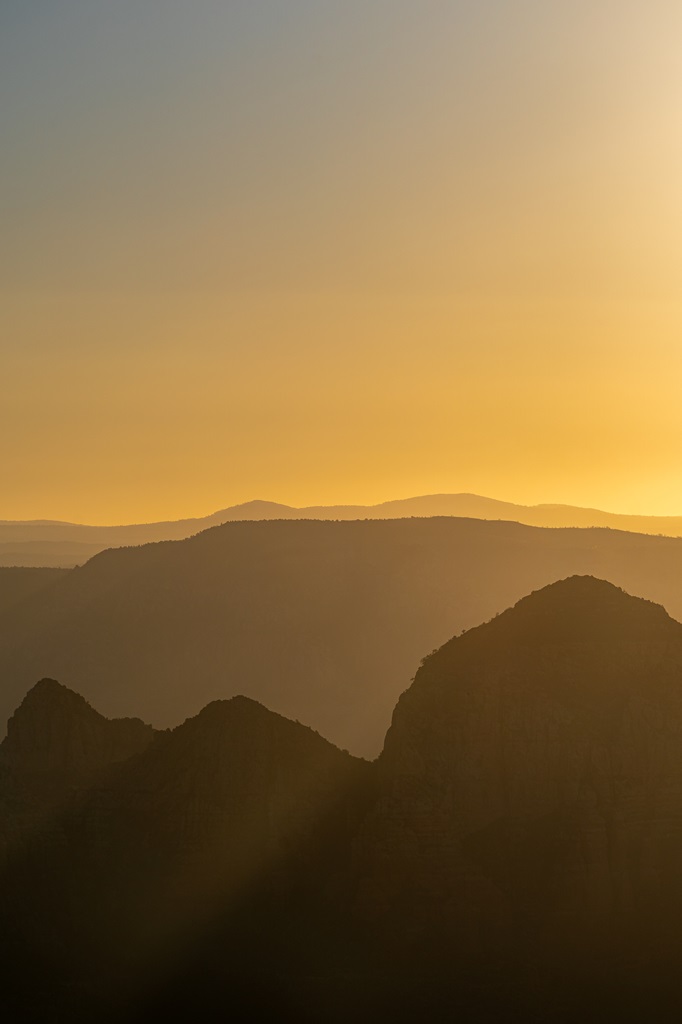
(531, 781)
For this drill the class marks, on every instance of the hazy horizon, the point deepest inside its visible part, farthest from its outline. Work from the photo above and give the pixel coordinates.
(207, 513)
(339, 252)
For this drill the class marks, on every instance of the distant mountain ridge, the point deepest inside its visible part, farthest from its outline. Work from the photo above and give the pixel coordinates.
(324, 622)
(58, 544)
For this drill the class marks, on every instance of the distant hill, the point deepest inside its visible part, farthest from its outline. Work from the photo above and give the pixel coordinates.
(324, 622)
(47, 543)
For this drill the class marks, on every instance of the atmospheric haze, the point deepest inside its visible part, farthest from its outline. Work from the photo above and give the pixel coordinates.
(338, 252)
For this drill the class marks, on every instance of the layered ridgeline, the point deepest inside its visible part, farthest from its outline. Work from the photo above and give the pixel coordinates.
(48, 543)
(221, 847)
(323, 622)
(516, 845)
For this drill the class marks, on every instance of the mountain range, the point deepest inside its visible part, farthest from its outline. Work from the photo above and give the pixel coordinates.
(324, 622)
(57, 544)
(513, 852)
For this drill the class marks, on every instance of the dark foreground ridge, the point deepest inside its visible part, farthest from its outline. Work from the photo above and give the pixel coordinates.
(514, 853)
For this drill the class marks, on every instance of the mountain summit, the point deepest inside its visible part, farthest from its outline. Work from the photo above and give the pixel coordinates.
(574, 611)
(534, 767)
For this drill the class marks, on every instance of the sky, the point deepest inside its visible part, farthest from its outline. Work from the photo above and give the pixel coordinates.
(337, 251)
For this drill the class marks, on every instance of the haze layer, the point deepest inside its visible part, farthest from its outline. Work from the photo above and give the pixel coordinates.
(338, 252)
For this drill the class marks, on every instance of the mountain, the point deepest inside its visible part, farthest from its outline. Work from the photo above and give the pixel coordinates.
(56, 731)
(323, 622)
(218, 839)
(513, 854)
(50, 543)
(57, 746)
(530, 794)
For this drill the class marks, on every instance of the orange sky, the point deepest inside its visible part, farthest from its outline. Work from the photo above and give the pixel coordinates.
(339, 252)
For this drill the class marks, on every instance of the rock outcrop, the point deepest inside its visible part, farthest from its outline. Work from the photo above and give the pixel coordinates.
(531, 781)
(55, 730)
(56, 748)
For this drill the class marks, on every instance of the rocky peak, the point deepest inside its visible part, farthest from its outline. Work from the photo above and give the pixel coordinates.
(55, 729)
(535, 765)
(234, 749)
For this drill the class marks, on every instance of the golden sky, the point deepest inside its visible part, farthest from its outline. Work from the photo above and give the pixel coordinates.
(338, 251)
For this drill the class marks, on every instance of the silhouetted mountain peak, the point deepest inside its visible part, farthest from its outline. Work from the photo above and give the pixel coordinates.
(233, 707)
(49, 692)
(581, 642)
(591, 602)
(226, 731)
(48, 710)
(255, 509)
(576, 610)
(534, 763)
(55, 729)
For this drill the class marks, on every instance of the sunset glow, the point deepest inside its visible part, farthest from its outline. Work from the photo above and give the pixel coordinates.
(339, 252)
